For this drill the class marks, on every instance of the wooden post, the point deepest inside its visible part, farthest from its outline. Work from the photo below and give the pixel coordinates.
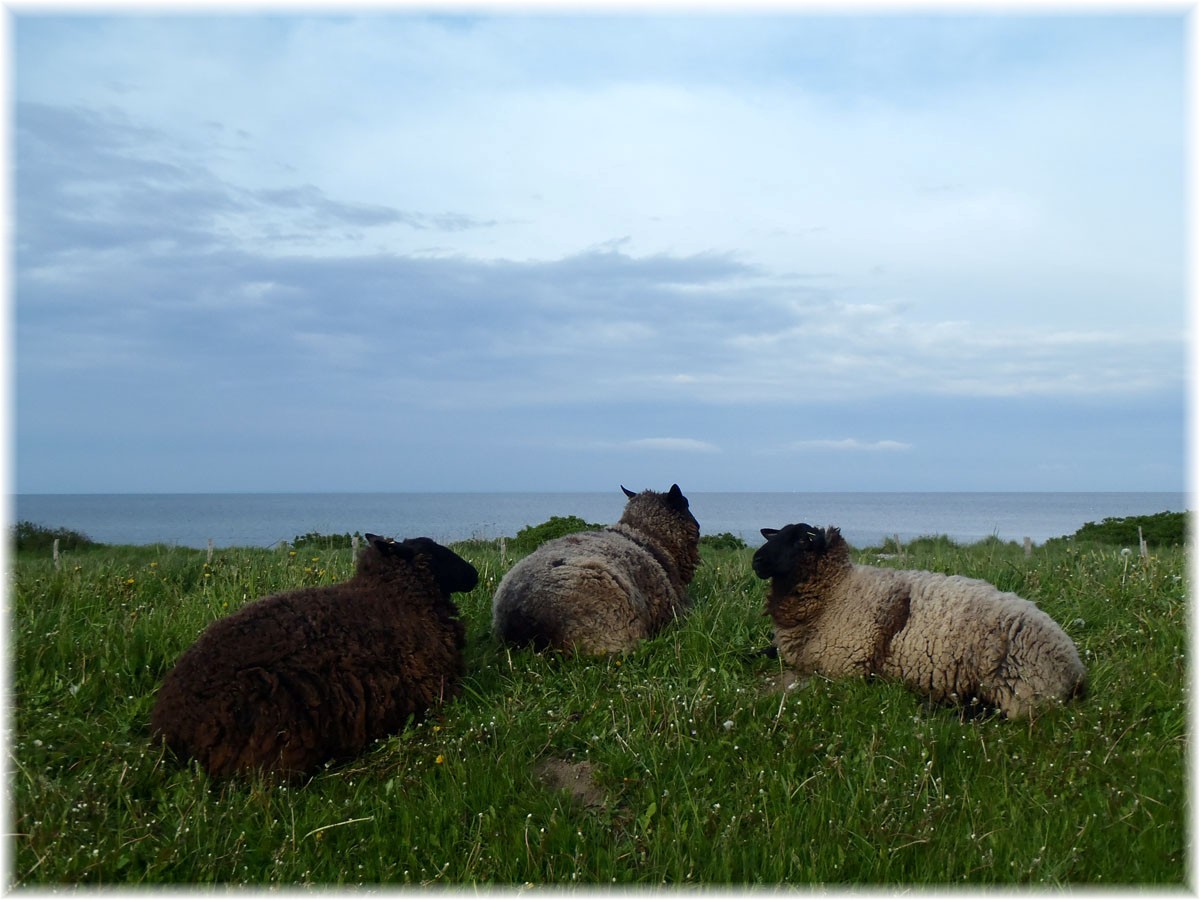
(210, 550)
(354, 546)
(896, 538)
(57, 563)
(503, 551)
(1143, 550)
(1028, 547)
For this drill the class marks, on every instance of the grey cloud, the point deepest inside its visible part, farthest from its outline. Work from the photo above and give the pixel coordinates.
(310, 199)
(122, 236)
(81, 185)
(93, 181)
(124, 233)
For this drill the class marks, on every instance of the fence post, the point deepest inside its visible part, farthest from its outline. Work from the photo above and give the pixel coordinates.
(210, 550)
(503, 551)
(1028, 547)
(354, 546)
(56, 560)
(1143, 550)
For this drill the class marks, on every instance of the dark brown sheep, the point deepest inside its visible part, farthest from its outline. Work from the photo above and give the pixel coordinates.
(600, 592)
(297, 679)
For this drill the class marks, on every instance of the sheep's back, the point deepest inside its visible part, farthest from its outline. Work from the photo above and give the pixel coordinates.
(966, 637)
(294, 679)
(597, 592)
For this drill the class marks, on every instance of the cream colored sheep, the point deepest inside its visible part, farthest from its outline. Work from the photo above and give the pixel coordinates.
(948, 637)
(599, 592)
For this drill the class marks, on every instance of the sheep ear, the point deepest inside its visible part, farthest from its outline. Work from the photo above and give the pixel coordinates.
(389, 547)
(628, 492)
(768, 533)
(676, 499)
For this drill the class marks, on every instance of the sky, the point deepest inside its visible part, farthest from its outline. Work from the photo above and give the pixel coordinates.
(565, 250)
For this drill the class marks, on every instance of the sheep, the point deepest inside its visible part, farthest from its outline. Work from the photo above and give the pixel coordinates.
(301, 678)
(948, 637)
(601, 592)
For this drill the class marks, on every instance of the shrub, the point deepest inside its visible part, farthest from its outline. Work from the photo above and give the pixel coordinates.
(723, 541)
(1164, 529)
(533, 536)
(325, 541)
(39, 538)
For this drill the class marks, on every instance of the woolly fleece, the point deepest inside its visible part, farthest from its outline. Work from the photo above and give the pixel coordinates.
(951, 638)
(600, 592)
(300, 678)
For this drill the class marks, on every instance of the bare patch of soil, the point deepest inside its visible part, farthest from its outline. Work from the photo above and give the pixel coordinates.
(573, 777)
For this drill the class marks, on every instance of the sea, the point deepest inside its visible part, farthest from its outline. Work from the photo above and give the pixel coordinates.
(865, 519)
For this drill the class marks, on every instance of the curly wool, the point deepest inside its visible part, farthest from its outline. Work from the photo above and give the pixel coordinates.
(948, 637)
(300, 678)
(604, 591)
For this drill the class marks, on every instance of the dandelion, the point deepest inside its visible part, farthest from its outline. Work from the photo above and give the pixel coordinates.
(440, 759)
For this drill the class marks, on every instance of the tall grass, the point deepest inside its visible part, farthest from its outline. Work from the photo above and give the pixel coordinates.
(684, 762)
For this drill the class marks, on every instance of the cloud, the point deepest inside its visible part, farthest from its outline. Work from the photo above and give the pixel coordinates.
(674, 445)
(583, 230)
(850, 444)
(92, 183)
(324, 212)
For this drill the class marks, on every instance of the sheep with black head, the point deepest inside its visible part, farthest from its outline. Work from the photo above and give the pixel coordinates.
(300, 678)
(947, 637)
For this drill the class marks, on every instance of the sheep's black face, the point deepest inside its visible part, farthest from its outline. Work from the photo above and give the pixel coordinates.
(453, 573)
(790, 552)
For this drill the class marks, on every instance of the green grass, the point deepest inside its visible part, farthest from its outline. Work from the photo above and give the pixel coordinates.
(696, 767)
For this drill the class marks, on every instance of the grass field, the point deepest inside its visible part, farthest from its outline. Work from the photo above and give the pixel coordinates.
(685, 762)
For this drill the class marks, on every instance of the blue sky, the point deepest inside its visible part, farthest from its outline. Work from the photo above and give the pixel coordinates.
(778, 251)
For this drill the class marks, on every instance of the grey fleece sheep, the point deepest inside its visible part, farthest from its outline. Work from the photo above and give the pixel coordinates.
(945, 636)
(299, 678)
(600, 592)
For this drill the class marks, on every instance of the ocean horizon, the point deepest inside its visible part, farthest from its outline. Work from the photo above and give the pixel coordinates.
(865, 518)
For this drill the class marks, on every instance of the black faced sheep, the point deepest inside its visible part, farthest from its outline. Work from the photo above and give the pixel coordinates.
(603, 591)
(308, 676)
(945, 636)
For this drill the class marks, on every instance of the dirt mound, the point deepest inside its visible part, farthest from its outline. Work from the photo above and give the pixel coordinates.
(573, 777)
